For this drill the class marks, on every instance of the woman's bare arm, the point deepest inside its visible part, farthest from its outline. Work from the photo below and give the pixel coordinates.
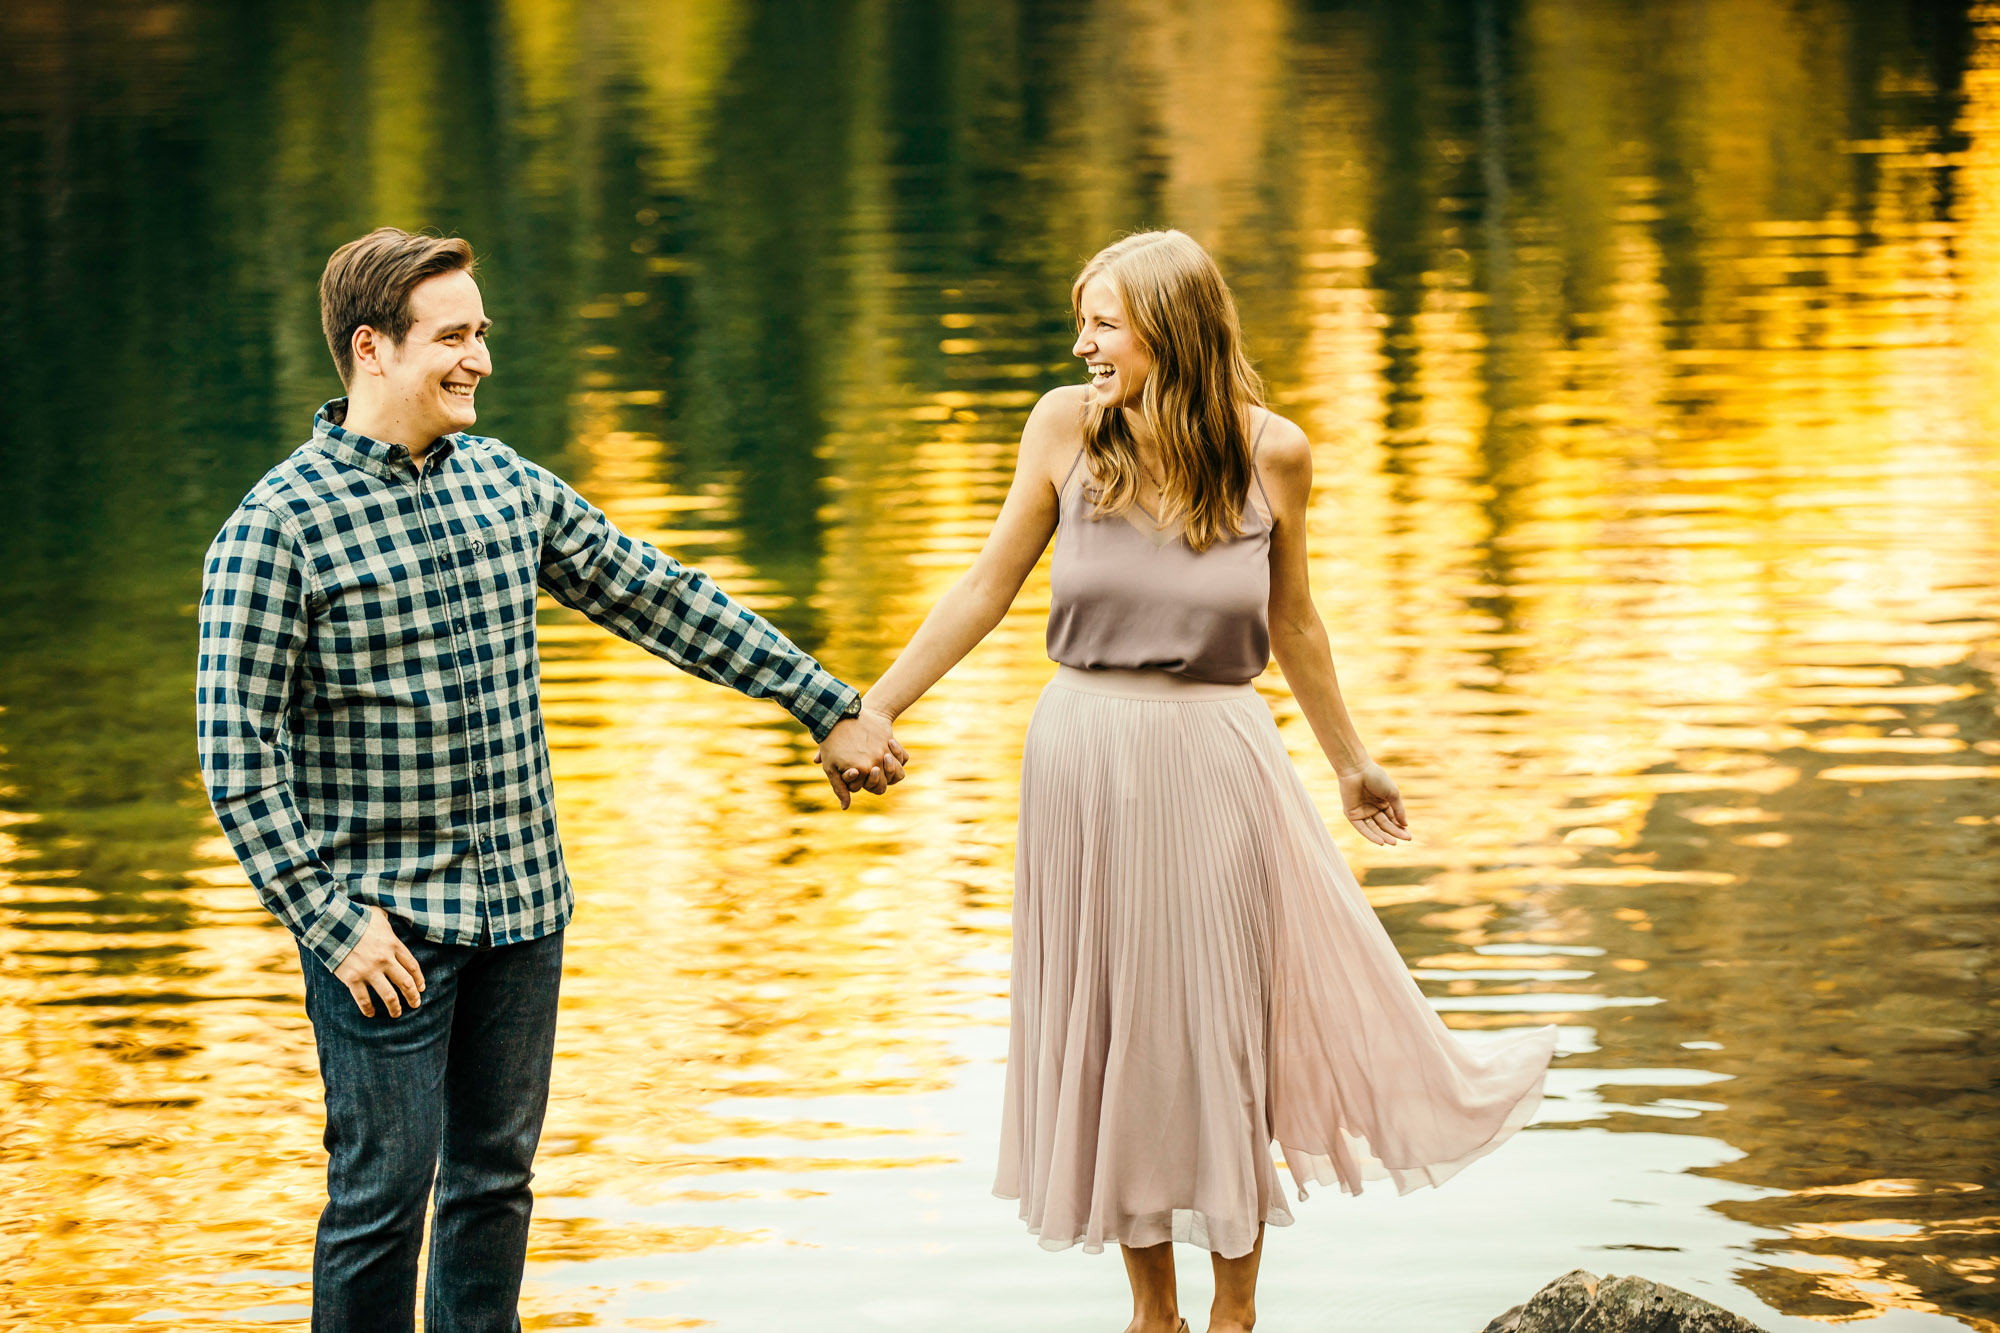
(974, 605)
(1298, 640)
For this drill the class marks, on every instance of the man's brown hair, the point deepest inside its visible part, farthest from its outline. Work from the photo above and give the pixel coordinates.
(369, 281)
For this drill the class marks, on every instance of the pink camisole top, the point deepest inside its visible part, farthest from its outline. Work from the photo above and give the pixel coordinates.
(1127, 593)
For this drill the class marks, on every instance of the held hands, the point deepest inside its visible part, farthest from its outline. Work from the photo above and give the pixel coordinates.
(1369, 798)
(861, 754)
(380, 963)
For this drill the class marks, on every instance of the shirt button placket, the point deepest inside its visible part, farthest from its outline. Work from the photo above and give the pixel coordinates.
(451, 582)
(481, 838)
(476, 725)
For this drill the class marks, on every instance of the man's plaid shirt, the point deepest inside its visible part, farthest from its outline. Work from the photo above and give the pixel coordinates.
(368, 693)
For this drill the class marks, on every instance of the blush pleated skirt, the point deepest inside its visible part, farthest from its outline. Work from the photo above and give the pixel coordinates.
(1197, 975)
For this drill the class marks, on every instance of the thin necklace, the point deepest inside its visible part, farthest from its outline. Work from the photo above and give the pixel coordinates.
(1158, 485)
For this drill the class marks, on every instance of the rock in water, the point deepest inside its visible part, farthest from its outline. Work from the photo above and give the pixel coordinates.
(1580, 1302)
(1558, 1306)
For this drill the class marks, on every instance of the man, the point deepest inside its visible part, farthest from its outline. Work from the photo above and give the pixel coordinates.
(372, 741)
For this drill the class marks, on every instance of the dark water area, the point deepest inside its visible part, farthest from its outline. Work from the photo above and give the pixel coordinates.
(1649, 355)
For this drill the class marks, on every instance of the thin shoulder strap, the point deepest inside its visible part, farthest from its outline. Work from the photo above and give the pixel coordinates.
(1258, 476)
(1071, 473)
(1254, 444)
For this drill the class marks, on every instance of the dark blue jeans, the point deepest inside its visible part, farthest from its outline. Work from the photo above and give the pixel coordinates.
(452, 1090)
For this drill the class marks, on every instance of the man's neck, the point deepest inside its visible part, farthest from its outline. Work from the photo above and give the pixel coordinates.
(377, 423)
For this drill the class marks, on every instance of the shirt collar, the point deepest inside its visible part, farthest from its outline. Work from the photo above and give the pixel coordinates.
(390, 461)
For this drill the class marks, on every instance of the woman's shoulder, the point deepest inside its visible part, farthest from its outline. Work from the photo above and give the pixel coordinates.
(1061, 408)
(1284, 459)
(1053, 436)
(1281, 442)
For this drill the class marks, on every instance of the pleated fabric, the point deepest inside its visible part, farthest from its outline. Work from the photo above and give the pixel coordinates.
(1197, 974)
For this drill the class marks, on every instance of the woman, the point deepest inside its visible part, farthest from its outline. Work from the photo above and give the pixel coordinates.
(1196, 972)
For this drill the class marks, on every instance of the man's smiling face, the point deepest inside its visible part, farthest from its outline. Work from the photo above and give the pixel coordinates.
(431, 379)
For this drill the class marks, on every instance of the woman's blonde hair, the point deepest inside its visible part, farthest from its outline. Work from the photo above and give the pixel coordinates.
(1197, 396)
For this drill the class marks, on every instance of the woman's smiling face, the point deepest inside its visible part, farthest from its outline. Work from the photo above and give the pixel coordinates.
(1111, 351)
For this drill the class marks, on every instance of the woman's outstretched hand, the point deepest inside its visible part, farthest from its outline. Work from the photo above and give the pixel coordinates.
(1372, 804)
(861, 754)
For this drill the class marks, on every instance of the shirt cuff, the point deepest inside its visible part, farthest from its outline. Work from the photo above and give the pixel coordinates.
(823, 702)
(333, 935)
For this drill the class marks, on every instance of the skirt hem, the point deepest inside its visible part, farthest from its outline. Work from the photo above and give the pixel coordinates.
(1189, 1227)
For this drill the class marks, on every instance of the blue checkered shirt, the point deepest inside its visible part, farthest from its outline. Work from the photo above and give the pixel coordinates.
(368, 693)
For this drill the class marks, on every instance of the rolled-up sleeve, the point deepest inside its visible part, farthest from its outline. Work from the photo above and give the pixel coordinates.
(254, 622)
(641, 594)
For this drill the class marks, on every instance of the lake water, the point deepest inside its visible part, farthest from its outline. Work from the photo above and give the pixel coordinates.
(1652, 360)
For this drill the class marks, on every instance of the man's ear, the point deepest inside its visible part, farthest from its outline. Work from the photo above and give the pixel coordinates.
(367, 349)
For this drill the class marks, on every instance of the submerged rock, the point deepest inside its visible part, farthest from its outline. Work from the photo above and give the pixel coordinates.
(1580, 1302)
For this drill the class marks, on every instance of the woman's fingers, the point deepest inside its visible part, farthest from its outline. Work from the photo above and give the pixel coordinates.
(877, 779)
(1378, 828)
(872, 781)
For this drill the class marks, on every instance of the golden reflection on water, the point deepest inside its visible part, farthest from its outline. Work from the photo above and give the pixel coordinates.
(1655, 526)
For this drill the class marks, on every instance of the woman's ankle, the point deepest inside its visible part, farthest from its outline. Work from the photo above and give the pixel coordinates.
(1236, 1319)
(1155, 1321)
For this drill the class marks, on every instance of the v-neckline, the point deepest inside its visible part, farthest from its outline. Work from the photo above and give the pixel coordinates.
(1158, 533)
(1155, 532)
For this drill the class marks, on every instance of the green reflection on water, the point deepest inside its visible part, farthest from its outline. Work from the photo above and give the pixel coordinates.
(1649, 357)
